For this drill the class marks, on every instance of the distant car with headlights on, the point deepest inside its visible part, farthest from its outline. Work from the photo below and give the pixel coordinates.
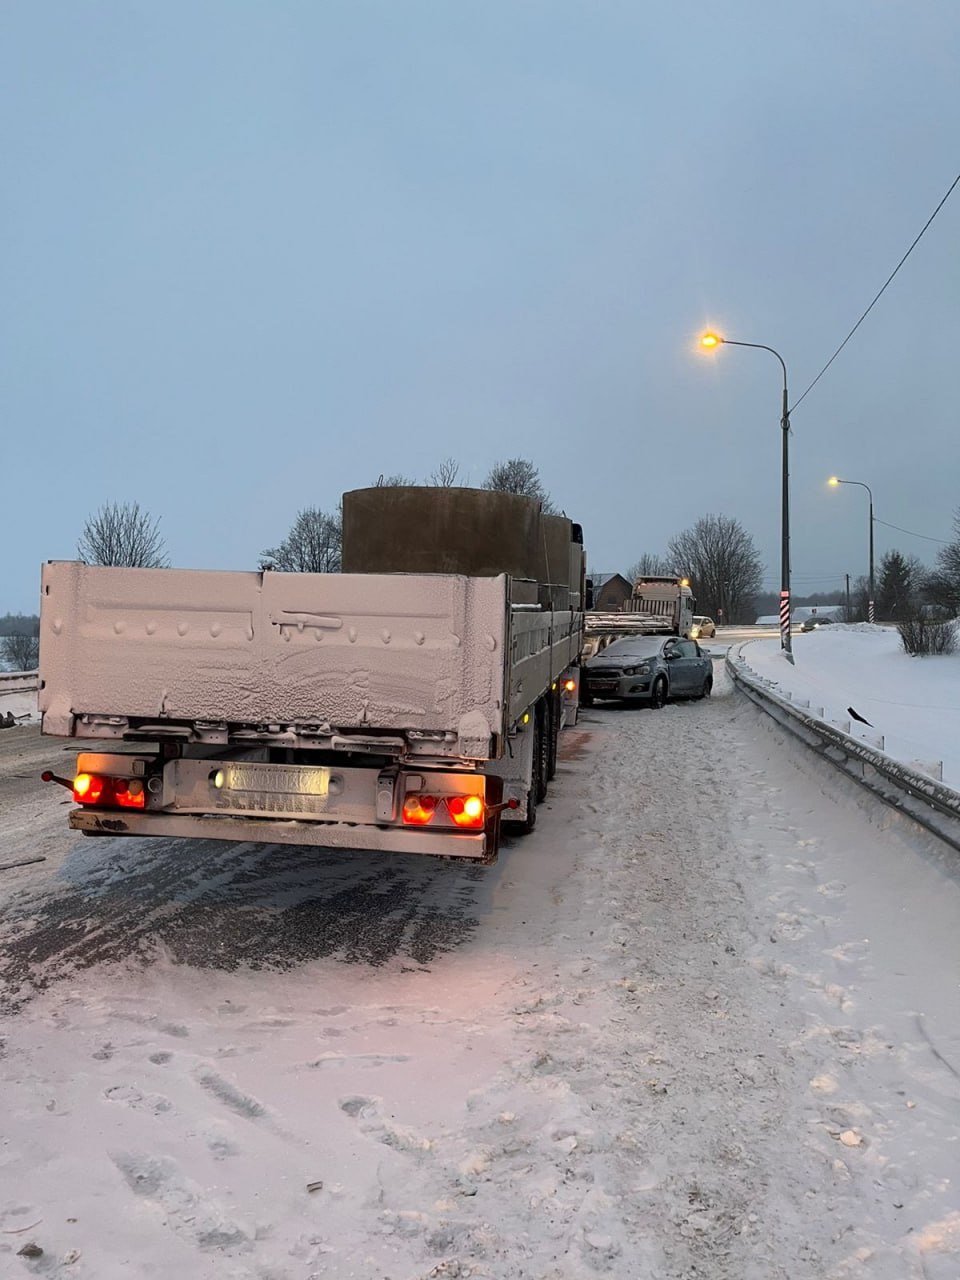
(816, 621)
(649, 669)
(703, 628)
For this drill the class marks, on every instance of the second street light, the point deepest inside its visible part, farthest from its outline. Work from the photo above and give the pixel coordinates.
(711, 341)
(835, 480)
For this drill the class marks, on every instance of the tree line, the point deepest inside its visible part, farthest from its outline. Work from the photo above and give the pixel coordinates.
(125, 534)
(716, 554)
(720, 559)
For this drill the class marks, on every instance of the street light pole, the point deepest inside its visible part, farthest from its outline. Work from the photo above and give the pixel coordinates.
(835, 480)
(712, 340)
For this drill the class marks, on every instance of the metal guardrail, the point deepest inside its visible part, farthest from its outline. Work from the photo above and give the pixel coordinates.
(931, 804)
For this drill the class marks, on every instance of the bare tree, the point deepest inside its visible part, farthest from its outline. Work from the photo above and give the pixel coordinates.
(21, 653)
(649, 566)
(122, 534)
(397, 481)
(518, 475)
(313, 545)
(942, 587)
(721, 560)
(444, 475)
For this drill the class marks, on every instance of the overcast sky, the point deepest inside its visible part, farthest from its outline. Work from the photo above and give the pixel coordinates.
(257, 254)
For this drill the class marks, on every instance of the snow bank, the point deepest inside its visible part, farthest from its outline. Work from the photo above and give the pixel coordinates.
(23, 706)
(911, 704)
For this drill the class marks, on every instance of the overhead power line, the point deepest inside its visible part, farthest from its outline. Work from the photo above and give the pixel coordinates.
(877, 298)
(943, 541)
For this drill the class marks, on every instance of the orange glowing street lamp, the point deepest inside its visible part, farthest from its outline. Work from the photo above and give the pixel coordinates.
(710, 341)
(834, 481)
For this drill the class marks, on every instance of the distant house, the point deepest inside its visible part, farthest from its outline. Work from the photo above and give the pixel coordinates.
(611, 592)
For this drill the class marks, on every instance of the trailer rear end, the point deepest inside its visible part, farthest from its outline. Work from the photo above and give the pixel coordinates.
(366, 710)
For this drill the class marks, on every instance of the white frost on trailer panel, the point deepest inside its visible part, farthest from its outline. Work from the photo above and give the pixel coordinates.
(392, 651)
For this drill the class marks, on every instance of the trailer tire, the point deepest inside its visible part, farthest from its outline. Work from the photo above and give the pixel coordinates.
(541, 749)
(536, 775)
(554, 705)
(530, 821)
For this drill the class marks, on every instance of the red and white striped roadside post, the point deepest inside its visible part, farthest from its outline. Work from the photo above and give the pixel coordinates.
(710, 341)
(835, 480)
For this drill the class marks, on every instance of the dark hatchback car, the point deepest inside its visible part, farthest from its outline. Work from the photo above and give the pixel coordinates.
(648, 668)
(816, 621)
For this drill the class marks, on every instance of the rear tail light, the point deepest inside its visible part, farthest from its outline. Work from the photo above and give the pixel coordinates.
(418, 810)
(466, 811)
(111, 793)
(463, 811)
(569, 685)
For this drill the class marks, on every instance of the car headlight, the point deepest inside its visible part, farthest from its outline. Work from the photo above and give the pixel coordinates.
(642, 670)
(694, 632)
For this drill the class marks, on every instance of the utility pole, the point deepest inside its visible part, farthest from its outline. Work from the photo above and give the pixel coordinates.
(847, 576)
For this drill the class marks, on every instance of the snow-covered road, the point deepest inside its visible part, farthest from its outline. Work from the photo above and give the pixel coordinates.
(703, 1023)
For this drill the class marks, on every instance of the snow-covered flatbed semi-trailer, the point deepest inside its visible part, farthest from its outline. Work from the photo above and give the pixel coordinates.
(411, 703)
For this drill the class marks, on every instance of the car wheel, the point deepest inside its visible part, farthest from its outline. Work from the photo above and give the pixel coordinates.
(658, 694)
(707, 689)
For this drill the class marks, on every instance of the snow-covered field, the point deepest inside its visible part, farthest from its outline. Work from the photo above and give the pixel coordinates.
(912, 704)
(22, 706)
(703, 1024)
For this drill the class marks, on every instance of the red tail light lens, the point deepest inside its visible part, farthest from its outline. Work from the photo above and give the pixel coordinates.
(87, 788)
(466, 811)
(569, 685)
(463, 811)
(111, 793)
(418, 810)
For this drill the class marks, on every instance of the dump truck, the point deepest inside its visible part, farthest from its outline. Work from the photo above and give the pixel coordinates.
(411, 703)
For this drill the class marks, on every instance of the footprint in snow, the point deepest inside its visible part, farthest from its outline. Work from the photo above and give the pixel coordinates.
(137, 1101)
(366, 1111)
(360, 1060)
(832, 889)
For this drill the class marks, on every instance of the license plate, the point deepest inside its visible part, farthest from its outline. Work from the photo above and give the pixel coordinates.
(603, 684)
(278, 779)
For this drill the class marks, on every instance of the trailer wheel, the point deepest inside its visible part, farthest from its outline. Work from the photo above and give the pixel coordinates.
(530, 821)
(533, 794)
(541, 749)
(554, 705)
